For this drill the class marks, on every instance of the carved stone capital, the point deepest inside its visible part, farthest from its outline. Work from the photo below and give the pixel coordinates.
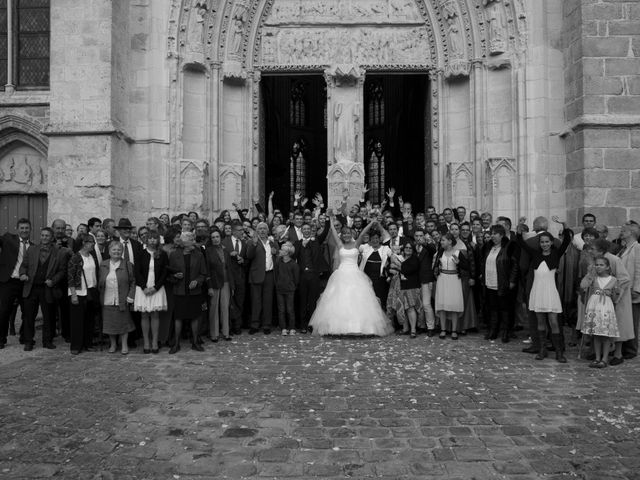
(457, 68)
(233, 72)
(344, 74)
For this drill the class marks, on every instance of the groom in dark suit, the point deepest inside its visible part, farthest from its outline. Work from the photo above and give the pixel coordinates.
(262, 253)
(312, 263)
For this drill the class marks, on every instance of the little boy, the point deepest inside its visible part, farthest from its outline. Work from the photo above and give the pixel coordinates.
(287, 275)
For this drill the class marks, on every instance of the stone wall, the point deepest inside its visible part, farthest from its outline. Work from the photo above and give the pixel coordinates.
(602, 105)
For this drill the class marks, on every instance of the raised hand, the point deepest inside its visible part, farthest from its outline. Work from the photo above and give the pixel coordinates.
(271, 195)
(556, 219)
(400, 201)
(304, 201)
(391, 193)
(365, 189)
(297, 195)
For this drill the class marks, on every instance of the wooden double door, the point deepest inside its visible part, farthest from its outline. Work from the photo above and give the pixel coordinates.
(395, 136)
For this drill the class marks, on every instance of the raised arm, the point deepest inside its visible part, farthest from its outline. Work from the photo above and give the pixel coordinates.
(567, 235)
(332, 227)
(270, 208)
(364, 231)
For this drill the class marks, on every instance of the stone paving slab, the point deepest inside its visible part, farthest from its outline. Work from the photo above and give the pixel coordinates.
(271, 407)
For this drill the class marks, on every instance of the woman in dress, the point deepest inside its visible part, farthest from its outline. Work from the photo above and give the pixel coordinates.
(544, 298)
(117, 285)
(151, 299)
(601, 293)
(190, 271)
(349, 305)
(449, 296)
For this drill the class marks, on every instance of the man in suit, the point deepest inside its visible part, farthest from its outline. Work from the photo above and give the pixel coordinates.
(262, 253)
(395, 240)
(61, 308)
(237, 249)
(132, 252)
(294, 232)
(13, 249)
(310, 258)
(41, 270)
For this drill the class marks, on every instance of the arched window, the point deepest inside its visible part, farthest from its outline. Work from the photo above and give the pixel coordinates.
(24, 43)
(297, 107)
(376, 104)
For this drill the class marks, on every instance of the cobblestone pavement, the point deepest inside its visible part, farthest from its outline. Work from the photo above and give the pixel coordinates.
(305, 407)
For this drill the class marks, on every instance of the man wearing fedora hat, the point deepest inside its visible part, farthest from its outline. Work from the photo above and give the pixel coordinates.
(132, 252)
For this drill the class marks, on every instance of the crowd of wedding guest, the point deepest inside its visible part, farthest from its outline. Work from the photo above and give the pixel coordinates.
(444, 274)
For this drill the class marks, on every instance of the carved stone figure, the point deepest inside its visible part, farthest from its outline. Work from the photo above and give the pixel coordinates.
(237, 29)
(497, 21)
(201, 9)
(345, 132)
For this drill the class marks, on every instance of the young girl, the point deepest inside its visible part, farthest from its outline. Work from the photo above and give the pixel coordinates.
(449, 298)
(600, 316)
(544, 298)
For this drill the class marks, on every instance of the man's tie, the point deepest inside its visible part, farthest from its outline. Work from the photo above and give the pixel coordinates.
(126, 251)
(237, 245)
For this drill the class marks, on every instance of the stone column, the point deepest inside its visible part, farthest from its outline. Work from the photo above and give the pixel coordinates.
(345, 142)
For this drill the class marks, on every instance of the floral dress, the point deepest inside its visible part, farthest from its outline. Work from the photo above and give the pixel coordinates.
(600, 315)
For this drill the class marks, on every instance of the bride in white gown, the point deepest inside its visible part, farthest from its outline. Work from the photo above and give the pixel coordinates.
(348, 305)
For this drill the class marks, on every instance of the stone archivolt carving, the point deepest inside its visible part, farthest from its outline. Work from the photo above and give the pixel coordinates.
(364, 45)
(460, 182)
(231, 182)
(345, 178)
(375, 11)
(496, 19)
(457, 64)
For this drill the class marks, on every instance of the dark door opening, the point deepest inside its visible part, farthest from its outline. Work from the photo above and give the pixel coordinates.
(295, 137)
(394, 135)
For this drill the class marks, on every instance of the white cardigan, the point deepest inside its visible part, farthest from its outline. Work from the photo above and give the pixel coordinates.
(366, 250)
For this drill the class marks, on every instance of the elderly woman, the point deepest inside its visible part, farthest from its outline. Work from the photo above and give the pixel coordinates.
(117, 285)
(630, 257)
(82, 275)
(500, 274)
(190, 272)
(220, 281)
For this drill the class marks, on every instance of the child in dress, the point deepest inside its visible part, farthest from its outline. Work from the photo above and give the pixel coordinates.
(449, 298)
(544, 298)
(602, 292)
(287, 276)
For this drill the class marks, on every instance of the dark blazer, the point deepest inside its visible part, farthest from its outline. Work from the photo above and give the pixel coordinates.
(160, 265)
(238, 270)
(292, 236)
(217, 269)
(256, 253)
(425, 257)
(9, 245)
(318, 260)
(506, 266)
(75, 267)
(198, 271)
(126, 282)
(410, 269)
(401, 241)
(55, 270)
(137, 248)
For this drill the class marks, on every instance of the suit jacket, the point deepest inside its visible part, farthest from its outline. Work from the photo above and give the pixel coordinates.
(218, 270)
(292, 235)
(56, 270)
(9, 245)
(126, 282)
(75, 269)
(631, 261)
(197, 270)
(160, 266)
(425, 257)
(257, 255)
(137, 249)
(238, 270)
(506, 266)
(318, 260)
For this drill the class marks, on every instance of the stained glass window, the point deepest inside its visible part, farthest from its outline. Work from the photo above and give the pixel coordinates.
(30, 32)
(376, 104)
(297, 107)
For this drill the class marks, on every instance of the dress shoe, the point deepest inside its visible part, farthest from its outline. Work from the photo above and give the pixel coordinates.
(616, 361)
(125, 352)
(89, 349)
(531, 349)
(227, 338)
(155, 351)
(253, 331)
(197, 348)
(1, 346)
(49, 346)
(75, 352)
(430, 332)
(174, 349)
(28, 347)
(303, 330)
(267, 331)
(628, 356)
(237, 331)
(213, 339)
(146, 351)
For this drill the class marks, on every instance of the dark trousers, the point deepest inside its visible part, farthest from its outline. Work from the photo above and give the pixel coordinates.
(500, 310)
(37, 298)
(381, 289)
(630, 347)
(309, 292)
(60, 314)
(10, 292)
(286, 309)
(262, 302)
(82, 323)
(237, 304)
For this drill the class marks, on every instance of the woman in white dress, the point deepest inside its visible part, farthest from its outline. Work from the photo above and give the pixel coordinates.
(349, 305)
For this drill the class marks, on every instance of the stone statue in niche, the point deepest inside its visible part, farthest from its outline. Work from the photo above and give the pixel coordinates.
(238, 20)
(345, 131)
(497, 23)
(201, 8)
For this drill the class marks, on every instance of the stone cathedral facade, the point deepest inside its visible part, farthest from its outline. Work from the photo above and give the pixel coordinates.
(518, 107)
